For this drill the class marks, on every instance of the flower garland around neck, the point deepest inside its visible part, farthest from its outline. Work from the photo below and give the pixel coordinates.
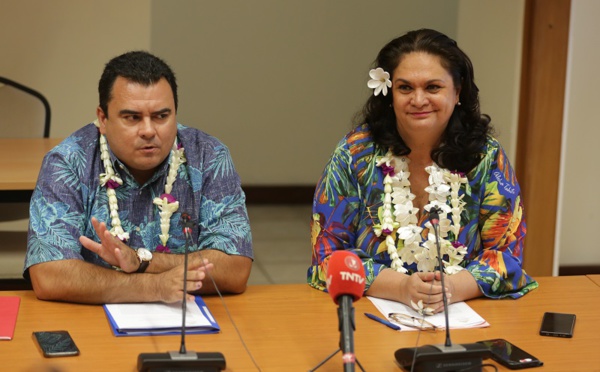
(399, 222)
(166, 203)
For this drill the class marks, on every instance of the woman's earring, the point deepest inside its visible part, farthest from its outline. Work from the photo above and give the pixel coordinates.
(458, 104)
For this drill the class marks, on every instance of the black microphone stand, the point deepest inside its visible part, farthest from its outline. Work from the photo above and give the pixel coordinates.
(183, 360)
(345, 311)
(187, 224)
(435, 219)
(446, 357)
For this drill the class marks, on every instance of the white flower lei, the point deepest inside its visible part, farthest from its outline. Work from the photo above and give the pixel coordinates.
(166, 203)
(399, 216)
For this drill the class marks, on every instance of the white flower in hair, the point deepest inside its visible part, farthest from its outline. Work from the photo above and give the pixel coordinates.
(380, 81)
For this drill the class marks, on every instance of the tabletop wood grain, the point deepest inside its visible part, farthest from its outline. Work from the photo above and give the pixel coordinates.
(294, 327)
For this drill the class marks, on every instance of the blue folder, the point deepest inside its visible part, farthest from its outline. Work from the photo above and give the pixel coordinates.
(213, 328)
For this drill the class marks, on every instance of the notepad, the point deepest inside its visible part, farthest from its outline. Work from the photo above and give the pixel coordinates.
(157, 318)
(9, 309)
(460, 315)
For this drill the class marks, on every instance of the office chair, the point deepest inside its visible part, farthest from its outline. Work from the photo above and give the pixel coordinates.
(24, 112)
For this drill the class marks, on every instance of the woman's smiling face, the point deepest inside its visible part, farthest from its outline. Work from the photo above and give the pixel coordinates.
(424, 95)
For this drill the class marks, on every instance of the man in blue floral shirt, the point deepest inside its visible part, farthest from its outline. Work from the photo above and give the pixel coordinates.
(109, 212)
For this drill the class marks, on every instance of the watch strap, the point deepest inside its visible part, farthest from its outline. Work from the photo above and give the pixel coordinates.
(143, 267)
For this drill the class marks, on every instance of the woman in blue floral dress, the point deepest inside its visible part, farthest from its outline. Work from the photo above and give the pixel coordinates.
(422, 145)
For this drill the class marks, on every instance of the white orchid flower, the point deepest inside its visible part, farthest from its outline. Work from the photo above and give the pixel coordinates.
(418, 307)
(438, 192)
(410, 234)
(438, 204)
(401, 195)
(380, 81)
(407, 254)
(453, 269)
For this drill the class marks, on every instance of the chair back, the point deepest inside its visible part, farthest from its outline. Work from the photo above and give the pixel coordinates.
(24, 112)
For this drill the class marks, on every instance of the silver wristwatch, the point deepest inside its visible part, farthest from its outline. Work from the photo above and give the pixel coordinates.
(145, 256)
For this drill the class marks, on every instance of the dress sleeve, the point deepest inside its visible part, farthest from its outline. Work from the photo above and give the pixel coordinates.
(336, 212)
(497, 266)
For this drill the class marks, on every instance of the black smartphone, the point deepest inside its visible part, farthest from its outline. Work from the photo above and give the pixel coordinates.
(510, 355)
(56, 343)
(557, 325)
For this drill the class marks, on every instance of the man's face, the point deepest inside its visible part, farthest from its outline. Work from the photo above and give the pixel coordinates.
(141, 125)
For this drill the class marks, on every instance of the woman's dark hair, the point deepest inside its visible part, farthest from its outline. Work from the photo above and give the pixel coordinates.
(140, 67)
(467, 130)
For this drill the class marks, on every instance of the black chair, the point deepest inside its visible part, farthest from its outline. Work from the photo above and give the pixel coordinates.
(24, 113)
(20, 110)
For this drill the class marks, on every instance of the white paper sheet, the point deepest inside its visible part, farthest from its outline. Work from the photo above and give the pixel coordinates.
(156, 315)
(460, 314)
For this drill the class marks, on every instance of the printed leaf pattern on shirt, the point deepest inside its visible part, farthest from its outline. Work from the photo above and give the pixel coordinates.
(68, 194)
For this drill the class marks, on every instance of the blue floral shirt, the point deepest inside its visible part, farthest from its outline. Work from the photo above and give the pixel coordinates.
(68, 194)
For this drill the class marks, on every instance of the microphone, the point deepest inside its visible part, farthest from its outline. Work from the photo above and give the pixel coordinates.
(446, 357)
(182, 360)
(346, 284)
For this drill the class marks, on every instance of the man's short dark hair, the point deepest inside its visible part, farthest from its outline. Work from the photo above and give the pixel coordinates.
(139, 67)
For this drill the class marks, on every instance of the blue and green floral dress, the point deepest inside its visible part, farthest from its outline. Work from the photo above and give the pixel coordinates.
(350, 194)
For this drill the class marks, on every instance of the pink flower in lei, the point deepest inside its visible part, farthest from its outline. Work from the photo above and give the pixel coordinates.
(111, 184)
(162, 249)
(388, 170)
(170, 198)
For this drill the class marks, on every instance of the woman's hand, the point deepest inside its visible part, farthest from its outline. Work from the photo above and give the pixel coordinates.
(420, 286)
(425, 287)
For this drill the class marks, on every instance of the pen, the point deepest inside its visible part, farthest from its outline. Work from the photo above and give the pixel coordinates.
(383, 321)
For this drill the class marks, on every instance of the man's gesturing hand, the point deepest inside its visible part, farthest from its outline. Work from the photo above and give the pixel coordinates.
(111, 249)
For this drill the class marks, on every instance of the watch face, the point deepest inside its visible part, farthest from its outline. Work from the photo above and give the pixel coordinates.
(144, 254)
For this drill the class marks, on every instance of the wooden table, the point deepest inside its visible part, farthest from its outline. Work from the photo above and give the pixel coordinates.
(294, 327)
(20, 162)
(595, 278)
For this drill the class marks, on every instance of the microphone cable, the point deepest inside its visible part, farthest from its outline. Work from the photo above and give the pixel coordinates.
(434, 216)
(227, 310)
(420, 329)
(414, 358)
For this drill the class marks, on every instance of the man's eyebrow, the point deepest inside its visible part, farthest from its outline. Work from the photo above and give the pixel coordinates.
(129, 112)
(166, 110)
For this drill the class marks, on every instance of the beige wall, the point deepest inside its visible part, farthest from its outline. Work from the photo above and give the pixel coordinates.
(59, 48)
(579, 201)
(279, 81)
(491, 33)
